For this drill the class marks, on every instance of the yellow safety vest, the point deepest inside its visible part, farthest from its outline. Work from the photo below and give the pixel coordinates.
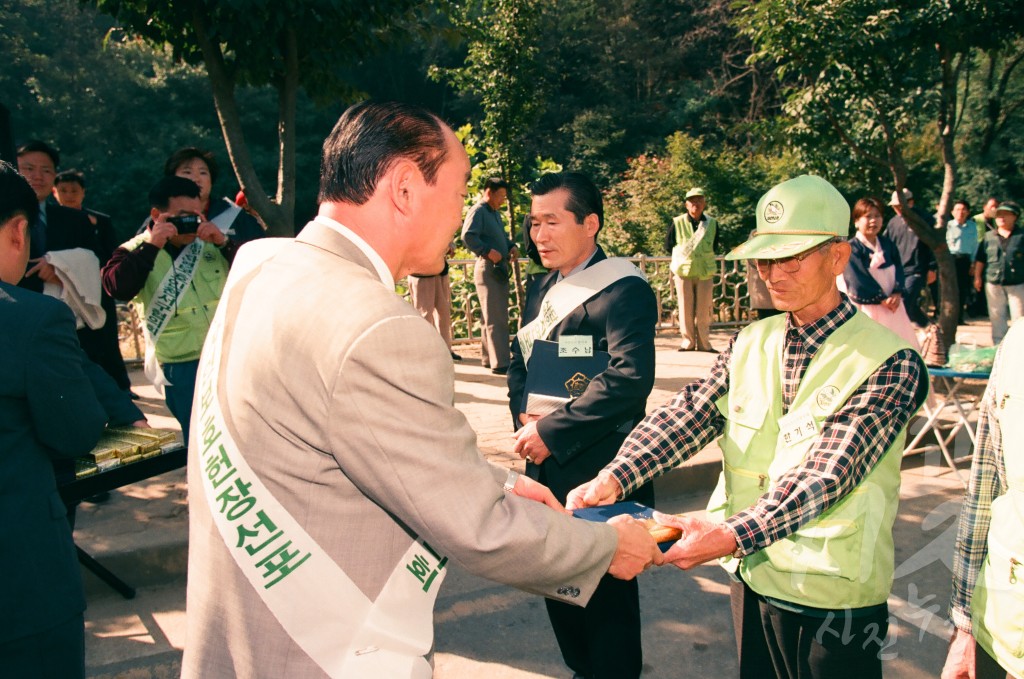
(182, 339)
(844, 557)
(701, 262)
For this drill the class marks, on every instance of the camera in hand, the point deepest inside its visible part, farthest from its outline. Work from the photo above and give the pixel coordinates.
(186, 223)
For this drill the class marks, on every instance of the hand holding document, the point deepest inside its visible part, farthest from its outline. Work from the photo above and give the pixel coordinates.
(701, 540)
(660, 532)
(636, 551)
(604, 489)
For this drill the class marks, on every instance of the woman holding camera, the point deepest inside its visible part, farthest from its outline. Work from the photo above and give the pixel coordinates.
(200, 166)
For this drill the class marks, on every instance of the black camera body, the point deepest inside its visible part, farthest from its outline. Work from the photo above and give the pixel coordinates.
(186, 223)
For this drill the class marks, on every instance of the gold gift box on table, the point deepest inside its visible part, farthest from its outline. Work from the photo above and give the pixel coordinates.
(147, 440)
(85, 467)
(123, 445)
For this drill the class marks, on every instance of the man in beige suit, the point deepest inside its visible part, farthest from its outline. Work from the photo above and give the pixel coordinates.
(331, 477)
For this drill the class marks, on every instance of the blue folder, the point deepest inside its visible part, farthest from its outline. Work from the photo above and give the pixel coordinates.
(553, 380)
(605, 512)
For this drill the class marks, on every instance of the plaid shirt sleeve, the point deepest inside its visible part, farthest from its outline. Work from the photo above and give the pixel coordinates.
(988, 481)
(850, 444)
(673, 433)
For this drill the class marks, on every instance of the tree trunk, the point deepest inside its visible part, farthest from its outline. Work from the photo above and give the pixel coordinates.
(949, 292)
(949, 297)
(287, 97)
(945, 122)
(223, 86)
(517, 279)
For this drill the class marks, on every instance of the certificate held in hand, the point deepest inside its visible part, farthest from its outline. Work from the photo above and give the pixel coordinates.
(665, 536)
(554, 378)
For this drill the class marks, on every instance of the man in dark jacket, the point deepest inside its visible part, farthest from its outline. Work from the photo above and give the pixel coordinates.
(103, 343)
(48, 411)
(918, 261)
(616, 314)
(484, 234)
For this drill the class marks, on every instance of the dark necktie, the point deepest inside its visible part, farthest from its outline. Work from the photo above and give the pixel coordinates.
(37, 247)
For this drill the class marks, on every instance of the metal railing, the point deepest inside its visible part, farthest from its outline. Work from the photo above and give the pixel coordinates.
(731, 305)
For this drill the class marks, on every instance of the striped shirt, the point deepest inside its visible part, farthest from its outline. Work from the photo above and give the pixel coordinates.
(849, 445)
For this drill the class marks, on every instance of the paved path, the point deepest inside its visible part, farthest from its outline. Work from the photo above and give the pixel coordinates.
(489, 630)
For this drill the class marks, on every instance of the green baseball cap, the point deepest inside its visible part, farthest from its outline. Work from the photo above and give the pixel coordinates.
(1009, 206)
(695, 191)
(795, 216)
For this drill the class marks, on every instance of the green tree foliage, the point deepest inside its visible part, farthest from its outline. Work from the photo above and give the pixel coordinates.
(111, 105)
(624, 74)
(286, 45)
(861, 79)
(116, 107)
(610, 82)
(992, 86)
(640, 207)
(501, 71)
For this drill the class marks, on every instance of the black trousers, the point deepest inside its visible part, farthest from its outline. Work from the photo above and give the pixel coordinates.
(102, 345)
(601, 641)
(964, 282)
(912, 300)
(772, 642)
(55, 653)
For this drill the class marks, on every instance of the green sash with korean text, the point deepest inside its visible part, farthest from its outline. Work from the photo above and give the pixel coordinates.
(316, 602)
(164, 302)
(569, 293)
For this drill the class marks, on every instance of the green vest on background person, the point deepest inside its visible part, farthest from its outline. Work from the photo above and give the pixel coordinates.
(1004, 258)
(845, 557)
(997, 604)
(694, 258)
(182, 339)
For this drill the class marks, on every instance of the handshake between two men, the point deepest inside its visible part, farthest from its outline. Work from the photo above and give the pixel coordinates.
(697, 540)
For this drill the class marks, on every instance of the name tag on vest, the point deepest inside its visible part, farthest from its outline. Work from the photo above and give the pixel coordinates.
(797, 427)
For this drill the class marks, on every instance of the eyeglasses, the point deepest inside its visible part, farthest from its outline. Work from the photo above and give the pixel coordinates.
(787, 264)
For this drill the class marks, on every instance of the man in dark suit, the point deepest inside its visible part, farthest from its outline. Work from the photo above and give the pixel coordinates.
(616, 314)
(57, 227)
(102, 344)
(60, 228)
(48, 411)
(918, 260)
(69, 191)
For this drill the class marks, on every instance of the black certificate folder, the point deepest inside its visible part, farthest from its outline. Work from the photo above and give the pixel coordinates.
(553, 380)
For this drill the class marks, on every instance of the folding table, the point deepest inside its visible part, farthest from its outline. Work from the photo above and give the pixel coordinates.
(73, 491)
(950, 383)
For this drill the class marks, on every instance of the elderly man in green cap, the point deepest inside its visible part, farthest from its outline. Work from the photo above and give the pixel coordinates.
(812, 409)
(691, 239)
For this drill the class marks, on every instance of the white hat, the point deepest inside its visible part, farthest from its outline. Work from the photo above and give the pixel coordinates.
(895, 200)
